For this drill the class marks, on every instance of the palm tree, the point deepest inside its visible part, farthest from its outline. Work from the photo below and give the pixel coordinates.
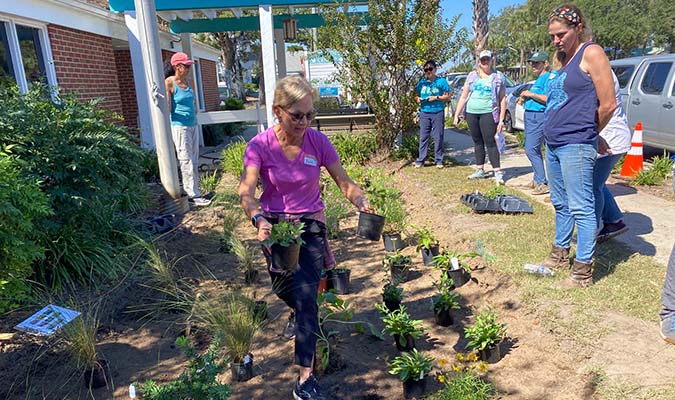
(480, 24)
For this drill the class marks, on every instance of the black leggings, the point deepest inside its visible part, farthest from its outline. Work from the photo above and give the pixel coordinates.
(299, 289)
(483, 129)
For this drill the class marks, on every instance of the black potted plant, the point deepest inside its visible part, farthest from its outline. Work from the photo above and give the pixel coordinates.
(412, 368)
(392, 295)
(398, 264)
(401, 326)
(395, 224)
(370, 225)
(338, 280)
(238, 324)
(285, 241)
(80, 335)
(485, 336)
(427, 244)
(450, 263)
(444, 301)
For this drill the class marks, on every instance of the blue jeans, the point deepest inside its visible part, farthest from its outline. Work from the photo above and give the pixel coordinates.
(668, 293)
(534, 138)
(606, 209)
(431, 125)
(570, 172)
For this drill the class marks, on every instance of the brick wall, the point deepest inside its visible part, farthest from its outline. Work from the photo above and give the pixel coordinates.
(210, 85)
(84, 63)
(125, 75)
(101, 3)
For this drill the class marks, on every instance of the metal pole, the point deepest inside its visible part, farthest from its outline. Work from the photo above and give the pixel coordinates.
(267, 44)
(161, 127)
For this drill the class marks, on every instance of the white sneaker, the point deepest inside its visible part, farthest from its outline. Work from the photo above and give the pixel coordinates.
(200, 201)
(499, 177)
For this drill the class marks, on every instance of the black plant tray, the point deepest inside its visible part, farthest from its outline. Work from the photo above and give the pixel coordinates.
(509, 204)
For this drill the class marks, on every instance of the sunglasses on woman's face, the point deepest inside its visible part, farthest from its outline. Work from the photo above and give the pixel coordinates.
(297, 117)
(485, 60)
(429, 69)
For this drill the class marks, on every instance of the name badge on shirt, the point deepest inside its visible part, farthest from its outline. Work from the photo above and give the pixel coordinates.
(310, 160)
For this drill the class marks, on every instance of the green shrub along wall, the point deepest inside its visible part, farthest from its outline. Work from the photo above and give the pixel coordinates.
(91, 173)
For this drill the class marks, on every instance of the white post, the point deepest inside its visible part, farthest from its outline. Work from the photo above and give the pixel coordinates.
(267, 44)
(137, 65)
(281, 52)
(152, 62)
(186, 44)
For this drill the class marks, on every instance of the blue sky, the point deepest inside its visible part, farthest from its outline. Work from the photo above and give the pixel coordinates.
(454, 7)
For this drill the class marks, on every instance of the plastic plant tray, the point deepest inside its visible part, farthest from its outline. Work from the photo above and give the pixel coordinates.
(513, 204)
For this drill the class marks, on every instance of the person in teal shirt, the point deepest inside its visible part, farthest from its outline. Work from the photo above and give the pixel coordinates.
(534, 105)
(432, 92)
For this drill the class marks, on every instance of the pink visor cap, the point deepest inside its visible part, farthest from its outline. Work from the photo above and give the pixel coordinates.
(180, 58)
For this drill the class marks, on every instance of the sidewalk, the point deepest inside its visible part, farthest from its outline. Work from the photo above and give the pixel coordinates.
(651, 219)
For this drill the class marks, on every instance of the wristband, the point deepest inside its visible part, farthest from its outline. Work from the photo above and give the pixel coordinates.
(255, 218)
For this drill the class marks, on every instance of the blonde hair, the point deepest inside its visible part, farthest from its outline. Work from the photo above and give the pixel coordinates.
(290, 90)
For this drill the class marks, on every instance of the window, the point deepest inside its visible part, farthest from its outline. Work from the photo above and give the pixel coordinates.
(623, 74)
(655, 77)
(200, 87)
(24, 51)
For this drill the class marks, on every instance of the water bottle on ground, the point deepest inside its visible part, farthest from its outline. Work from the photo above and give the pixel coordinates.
(538, 270)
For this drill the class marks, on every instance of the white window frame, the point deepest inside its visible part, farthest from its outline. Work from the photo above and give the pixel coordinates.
(10, 24)
(199, 84)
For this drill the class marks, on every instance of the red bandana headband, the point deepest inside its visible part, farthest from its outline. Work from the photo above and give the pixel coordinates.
(568, 14)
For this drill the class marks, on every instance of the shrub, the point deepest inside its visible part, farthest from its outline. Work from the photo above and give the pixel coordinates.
(486, 332)
(21, 206)
(409, 147)
(656, 174)
(90, 170)
(233, 157)
(233, 103)
(209, 182)
(354, 148)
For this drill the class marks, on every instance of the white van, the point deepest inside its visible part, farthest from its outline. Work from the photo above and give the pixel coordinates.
(648, 95)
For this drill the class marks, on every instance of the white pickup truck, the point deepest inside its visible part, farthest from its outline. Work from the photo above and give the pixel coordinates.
(648, 95)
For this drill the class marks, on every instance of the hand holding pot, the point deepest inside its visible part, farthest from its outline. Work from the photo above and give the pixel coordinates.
(264, 229)
(362, 204)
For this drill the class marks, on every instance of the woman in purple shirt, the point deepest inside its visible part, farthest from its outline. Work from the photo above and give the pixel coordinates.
(288, 158)
(580, 102)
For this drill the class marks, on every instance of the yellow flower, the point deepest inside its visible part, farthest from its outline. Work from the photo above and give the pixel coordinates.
(442, 362)
(460, 356)
(472, 357)
(482, 367)
(455, 368)
(441, 378)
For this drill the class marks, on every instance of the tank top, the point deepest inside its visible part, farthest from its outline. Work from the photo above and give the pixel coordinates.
(182, 106)
(572, 106)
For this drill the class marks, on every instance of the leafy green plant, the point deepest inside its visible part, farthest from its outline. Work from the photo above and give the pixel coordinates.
(286, 233)
(209, 182)
(354, 149)
(445, 299)
(486, 332)
(232, 157)
(413, 365)
(495, 191)
(199, 380)
(391, 291)
(443, 261)
(656, 174)
(426, 239)
(395, 216)
(396, 258)
(23, 204)
(337, 206)
(399, 322)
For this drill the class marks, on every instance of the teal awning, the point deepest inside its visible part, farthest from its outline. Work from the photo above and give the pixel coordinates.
(171, 5)
(248, 23)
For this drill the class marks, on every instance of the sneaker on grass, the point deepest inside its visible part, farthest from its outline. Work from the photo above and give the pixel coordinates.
(478, 174)
(309, 390)
(499, 177)
(668, 329)
(199, 201)
(541, 188)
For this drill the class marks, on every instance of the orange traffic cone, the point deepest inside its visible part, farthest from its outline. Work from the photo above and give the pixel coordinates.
(633, 162)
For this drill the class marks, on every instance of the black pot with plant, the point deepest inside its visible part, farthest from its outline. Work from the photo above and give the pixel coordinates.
(485, 336)
(401, 326)
(412, 369)
(285, 241)
(338, 280)
(242, 371)
(399, 265)
(427, 244)
(370, 226)
(393, 242)
(392, 295)
(80, 335)
(444, 301)
(449, 262)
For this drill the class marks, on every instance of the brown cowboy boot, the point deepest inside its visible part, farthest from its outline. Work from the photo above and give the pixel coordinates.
(581, 277)
(558, 259)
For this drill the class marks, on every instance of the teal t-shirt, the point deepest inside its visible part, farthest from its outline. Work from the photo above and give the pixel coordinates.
(425, 89)
(182, 106)
(538, 87)
(480, 100)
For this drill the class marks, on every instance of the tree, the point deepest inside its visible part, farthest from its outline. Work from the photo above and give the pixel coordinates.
(379, 62)
(481, 29)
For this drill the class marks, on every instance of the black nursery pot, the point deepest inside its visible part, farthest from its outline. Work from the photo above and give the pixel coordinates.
(400, 272)
(98, 376)
(393, 242)
(338, 280)
(370, 226)
(491, 355)
(414, 388)
(260, 310)
(459, 276)
(443, 318)
(404, 343)
(250, 276)
(392, 305)
(286, 257)
(241, 372)
(429, 254)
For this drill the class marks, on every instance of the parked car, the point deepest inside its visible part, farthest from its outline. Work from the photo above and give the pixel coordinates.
(647, 86)
(223, 93)
(515, 113)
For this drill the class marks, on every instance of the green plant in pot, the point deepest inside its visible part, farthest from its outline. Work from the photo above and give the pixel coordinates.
(238, 328)
(285, 241)
(394, 225)
(451, 263)
(485, 336)
(412, 368)
(401, 326)
(80, 334)
(398, 264)
(338, 280)
(392, 294)
(427, 244)
(444, 301)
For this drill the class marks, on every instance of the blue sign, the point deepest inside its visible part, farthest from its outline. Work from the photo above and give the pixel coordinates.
(328, 92)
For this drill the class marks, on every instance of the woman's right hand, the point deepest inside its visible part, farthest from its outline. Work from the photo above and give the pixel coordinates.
(264, 229)
(455, 122)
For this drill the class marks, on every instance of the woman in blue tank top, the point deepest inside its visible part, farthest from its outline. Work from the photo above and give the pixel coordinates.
(184, 130)
(580, 102)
